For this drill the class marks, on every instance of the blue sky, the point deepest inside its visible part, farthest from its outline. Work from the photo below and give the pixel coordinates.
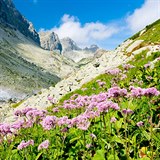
(104, 22)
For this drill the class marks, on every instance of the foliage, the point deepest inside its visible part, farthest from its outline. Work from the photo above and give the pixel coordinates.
(115, 117)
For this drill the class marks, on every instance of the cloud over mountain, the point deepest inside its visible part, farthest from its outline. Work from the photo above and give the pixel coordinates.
(86, 34)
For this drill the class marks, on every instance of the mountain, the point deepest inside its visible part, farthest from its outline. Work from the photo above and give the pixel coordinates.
(93, 48)
(50, 41)
(25, 67)
(66, 46)
(69, 45)
(11, 17)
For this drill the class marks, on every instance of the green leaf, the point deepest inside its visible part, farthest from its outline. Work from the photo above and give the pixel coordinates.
(112, 157)
(38, 156)
(117, 139)
(99, 155)
(75, 139)
(119, 123)
(146, 135)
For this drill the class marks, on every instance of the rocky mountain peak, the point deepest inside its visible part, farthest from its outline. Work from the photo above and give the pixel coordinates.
(92, 48)
(50, 41)
(11, 17)
(69, 45)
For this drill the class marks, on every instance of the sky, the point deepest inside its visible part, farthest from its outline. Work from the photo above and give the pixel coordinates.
(106, 23)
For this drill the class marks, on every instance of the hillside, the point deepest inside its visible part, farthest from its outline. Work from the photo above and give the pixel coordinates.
(150, 34)
(114, 116)
(104, 107)
(25, 66)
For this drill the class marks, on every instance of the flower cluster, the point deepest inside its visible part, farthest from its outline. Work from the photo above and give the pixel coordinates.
(127, 111)
(101, 83)
(115, 71)
(44, 145)
(116, 91)
(138, 92)
(24, 144)
(128, 66)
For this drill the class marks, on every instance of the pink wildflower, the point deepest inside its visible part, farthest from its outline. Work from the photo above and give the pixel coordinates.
(115, 71)
(140, 124)
(116, 91)
(113, 119)
(24, 144)
(88, 146)
(49, 122)
(127, 111)
(44, 145)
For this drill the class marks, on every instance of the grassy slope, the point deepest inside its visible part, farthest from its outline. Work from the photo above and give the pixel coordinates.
(92, 87)
(114, 141)
(151, 35)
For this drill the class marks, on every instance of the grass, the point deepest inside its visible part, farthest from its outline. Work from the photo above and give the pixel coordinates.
(121, 140)
(151, 35)
(15, 105)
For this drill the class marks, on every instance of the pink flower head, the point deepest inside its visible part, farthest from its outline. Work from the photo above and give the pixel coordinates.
(123, 76)
(93, 135)
(17, 125)
(5, 129)
(44, 145)
(113, 119)
(147, 65)
(50, 98)
(136, 92)
(101, 84)
(127, 111)
(151, 92)
(115, 71)
(49, 122)
(56, 109)
(116, 91)
(140, 124)
(158, 58)
(24, 144)
(18, 113)
(88, 146)
(83, 125)
(128, 66)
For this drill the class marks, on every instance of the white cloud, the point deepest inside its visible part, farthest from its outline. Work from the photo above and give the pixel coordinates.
(146, 14)
(86, 34)
(108, 35)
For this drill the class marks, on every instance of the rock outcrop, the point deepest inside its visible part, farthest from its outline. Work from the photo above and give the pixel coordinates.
(50, 41)
(69, 45)
(25, 67)
(11, 17)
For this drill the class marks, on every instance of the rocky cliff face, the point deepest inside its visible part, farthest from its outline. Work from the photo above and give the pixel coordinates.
(25, 67)
(50, 41)
(11, 17)
(69, 45)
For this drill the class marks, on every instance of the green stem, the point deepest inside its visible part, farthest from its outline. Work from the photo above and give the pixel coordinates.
(126, 146)
(104, 122)
(151, 128)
